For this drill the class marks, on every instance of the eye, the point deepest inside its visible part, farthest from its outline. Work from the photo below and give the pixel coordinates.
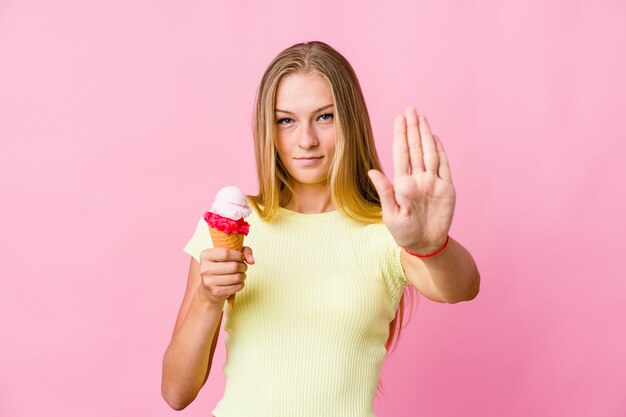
(284, 121)
(326, 117)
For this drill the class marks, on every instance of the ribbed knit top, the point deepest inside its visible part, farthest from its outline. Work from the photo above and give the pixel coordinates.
(306, 336)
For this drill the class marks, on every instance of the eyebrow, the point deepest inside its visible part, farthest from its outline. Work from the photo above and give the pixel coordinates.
(315, 111)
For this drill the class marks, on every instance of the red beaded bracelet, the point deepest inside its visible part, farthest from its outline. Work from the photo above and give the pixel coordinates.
(432, 254)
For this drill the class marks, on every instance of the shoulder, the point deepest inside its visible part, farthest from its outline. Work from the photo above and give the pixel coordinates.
(377, 233)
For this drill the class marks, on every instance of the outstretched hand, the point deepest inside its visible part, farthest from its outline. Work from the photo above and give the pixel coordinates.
(418, 207)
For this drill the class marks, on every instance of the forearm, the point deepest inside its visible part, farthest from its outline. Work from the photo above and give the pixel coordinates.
(453, 273)
(186, 360)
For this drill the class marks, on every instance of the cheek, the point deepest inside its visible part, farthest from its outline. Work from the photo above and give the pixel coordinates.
(330, 140)
(281, 144)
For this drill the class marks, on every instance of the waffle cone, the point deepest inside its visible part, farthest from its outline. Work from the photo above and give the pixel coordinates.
(230, 241)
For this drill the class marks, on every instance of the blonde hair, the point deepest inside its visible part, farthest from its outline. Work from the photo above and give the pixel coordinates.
(352, 192)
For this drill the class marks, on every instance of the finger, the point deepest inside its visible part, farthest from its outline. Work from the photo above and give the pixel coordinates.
(400, 149)
(229, 290)
(237, 288)
(385, 192)
(222, 255)
(247, 254)
(444, 167)
(415, 143)
(222, 268)
(232, 279)
(431, 159)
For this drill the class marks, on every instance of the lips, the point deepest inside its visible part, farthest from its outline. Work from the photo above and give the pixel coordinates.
(308, 162)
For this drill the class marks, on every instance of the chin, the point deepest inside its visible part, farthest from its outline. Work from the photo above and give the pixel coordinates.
(310, 181)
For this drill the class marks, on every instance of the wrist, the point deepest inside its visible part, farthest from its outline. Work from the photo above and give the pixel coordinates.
(428, 252)
(208, 302)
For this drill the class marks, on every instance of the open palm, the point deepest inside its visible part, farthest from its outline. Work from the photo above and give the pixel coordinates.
(418, 207)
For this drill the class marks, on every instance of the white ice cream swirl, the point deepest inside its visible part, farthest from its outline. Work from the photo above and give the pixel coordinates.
(231, 202)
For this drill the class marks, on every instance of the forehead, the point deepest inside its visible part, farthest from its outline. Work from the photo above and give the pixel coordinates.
(303, 92)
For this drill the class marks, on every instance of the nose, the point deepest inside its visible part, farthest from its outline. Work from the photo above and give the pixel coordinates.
(308, 137)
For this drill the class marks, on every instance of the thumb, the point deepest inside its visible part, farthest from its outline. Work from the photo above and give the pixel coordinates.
(247, 254)
(384, 190)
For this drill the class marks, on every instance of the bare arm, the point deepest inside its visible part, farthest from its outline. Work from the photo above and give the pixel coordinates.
(186, 363)
(187, 360)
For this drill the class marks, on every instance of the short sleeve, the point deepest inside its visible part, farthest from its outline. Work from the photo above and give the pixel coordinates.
(200, 241)
(393, 273)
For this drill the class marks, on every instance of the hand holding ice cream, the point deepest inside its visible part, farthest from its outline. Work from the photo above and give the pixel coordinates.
(226, 221)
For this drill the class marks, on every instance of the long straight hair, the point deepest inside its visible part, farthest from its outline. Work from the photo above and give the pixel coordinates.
(351, 190)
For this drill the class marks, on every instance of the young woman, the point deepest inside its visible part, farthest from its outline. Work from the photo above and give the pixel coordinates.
(335, 245)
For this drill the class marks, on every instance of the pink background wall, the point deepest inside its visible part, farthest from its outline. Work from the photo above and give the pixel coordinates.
(108, 112)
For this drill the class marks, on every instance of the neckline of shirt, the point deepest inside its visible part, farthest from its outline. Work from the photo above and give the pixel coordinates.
(307, 216)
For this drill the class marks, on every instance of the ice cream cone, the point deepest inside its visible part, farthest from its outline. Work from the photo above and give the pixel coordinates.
(225, 240)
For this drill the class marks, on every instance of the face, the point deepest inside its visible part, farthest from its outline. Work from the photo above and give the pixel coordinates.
(305, 128)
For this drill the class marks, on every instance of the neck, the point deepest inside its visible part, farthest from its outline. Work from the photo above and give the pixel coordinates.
(310, 201)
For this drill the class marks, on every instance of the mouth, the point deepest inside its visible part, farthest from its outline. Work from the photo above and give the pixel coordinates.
(308, 161)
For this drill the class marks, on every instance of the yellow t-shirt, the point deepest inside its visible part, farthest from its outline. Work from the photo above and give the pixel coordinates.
(306, 336)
